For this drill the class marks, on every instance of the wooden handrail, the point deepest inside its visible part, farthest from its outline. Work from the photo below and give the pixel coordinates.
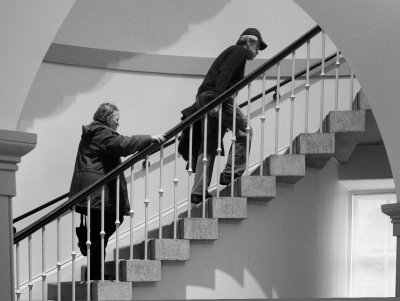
(37, 209)
(288, 80)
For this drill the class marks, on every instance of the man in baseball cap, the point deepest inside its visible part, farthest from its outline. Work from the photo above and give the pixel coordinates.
(253, 33)
(227, 69)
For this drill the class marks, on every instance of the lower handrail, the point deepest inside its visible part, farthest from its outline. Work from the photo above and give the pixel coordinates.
(44, 206)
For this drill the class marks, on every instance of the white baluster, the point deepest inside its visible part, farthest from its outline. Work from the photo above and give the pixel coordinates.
(321, 115)
(292, 98)
(351, 89)
(131, 213)
(17, 265)
(146, 206)
(58, 260)
(43, 264)
(117, 223)
(233, 139)
(88, 243)
(190, 170)
(161, 193)
(73, 254)
(307, 87)
(337, 66)
(277, 108)
(248, 128)
(30, 284)
(102, 232)
(262, 119)
(204, 166)
(176, 181)
(219, 149)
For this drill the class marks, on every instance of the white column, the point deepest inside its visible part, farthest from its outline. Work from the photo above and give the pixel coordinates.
(393, 211)
(13, 145)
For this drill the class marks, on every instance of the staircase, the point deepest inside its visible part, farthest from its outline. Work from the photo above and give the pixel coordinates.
(340, 133)
(343, 131)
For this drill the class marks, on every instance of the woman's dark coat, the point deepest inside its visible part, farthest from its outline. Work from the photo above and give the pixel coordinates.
(99, 152)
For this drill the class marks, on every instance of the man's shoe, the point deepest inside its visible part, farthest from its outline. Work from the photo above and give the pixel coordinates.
(225, 179)
(198, 198)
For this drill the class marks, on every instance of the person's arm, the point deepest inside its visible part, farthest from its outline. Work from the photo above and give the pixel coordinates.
(118, 145)
(233, 63)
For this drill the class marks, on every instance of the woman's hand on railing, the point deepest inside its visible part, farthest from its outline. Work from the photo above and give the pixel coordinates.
(158, 138)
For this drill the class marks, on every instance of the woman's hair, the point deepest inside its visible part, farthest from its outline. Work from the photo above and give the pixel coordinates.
(104, 110)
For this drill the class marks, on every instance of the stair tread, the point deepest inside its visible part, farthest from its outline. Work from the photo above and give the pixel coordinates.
(169, 249)
(254, 187)
(196, 228)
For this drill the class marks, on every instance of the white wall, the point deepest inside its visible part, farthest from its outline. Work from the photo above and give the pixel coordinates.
(186, 28)
(27, 29)
(367, 33)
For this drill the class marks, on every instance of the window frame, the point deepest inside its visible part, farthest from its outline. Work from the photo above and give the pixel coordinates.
(350, 236)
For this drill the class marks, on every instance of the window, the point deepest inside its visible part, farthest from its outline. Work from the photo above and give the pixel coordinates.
(372, 266)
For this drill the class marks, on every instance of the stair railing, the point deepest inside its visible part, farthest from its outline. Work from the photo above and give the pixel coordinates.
(242, 105)
(172, 134)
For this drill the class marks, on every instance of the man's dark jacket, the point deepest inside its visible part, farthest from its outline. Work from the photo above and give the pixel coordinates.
(227, 69)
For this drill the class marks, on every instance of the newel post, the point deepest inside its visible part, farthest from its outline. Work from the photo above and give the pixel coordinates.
(393, 211)
(13, 145)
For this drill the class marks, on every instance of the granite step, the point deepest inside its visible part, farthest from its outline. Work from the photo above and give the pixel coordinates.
(197, 228)
(318, 148)
(137, 270)
(169, 249)
(227, 208)
(286, 168)
(349, 128)
(254, 188)
(106, 290)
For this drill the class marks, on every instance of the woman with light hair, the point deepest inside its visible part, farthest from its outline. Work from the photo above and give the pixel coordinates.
(100, 150)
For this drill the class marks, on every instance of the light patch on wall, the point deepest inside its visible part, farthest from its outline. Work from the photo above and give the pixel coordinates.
(372, 184)
(226, 286)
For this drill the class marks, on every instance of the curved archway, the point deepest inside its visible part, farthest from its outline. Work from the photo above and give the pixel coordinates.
(31, 27)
